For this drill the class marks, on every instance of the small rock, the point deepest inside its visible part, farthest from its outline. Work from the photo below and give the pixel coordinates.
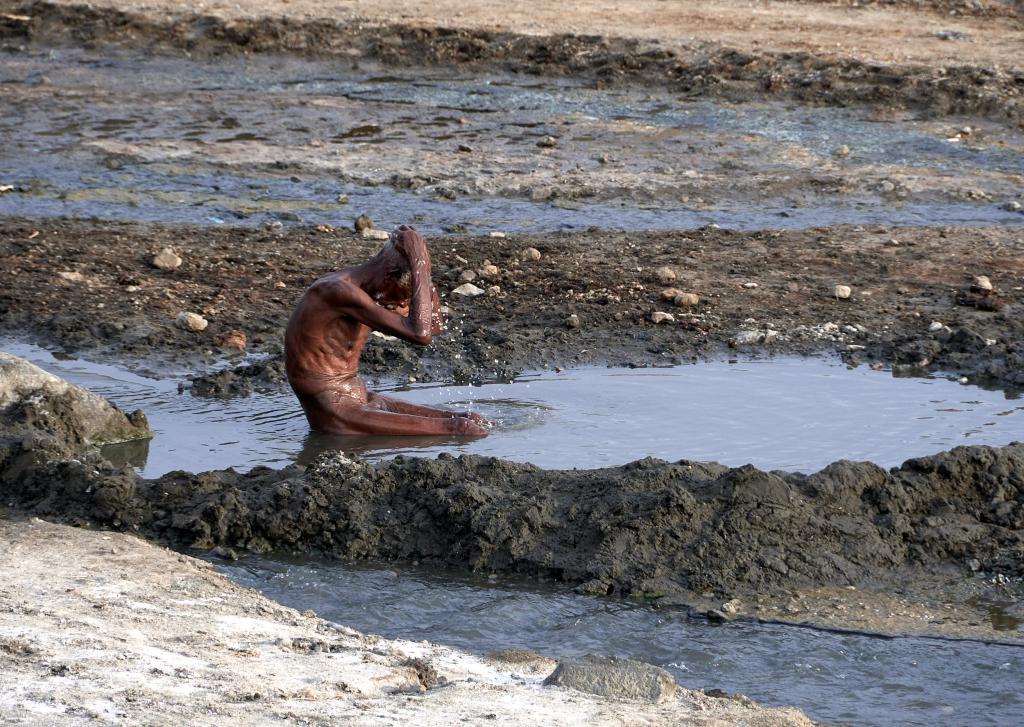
(1012, 206)
(363, 222)
(191, 322)
(493, 290)
(497, 234)
(548, 142)
(530, 254)
(842, 292)
(467, 276)
(572, 321)
(662, 317)
(665, 275)
(71, 276)
(342, 199)
(684, 300)
(750, 286)
(893, 242)
(465, 148)
(233, 340)
(935, 327)
(608, 676)
(166, 259)
(887, 186)
(842, 151)
(982, 282)
(963, 380)
(489, 271)
(731, 606)
(468, 290)
(371, 234)
(280, 285)
(746, 338)
(603, 159)
(5, 188)
(669, 294)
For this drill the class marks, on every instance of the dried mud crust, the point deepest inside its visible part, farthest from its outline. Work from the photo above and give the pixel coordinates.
(89, 288)
(696, 67)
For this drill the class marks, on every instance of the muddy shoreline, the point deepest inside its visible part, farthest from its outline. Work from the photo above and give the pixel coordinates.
(762, 293)
(697, 68)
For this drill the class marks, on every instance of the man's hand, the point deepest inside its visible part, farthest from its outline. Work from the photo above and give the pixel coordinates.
(411, 244)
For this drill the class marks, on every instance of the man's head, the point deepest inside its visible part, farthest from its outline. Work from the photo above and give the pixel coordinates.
(393, 278)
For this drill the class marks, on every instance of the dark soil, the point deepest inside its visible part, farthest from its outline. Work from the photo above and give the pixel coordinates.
(125, 309)
(703, 69)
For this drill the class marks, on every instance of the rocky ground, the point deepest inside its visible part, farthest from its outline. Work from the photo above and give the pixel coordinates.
(99, 627)
(589, 298)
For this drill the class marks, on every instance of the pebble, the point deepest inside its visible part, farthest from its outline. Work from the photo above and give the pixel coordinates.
(494, 290)
(841, 152)
(750, 286)
(530, 254)
(280, 285)
(842, 292)
(572, 321)
(467, 276)
(548, 142)
(465, 148)
(489, 271)
(686, 299)
(363, 222)
(469, 290)
(497, 234)
(665, 274)
(887, 186)
(371, 234)
(233, 340)
(964, 380)
(669, 294)
(732, 606)
(71, 277)
(342, 199)
(1012, 206)
(662, 317)
(983, 282)
(934, 327)
(166, 259)
(5, 188)
(191, 322)
(603, 159)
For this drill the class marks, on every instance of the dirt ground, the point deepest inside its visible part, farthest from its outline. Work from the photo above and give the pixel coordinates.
(100, 627)
(764, 293)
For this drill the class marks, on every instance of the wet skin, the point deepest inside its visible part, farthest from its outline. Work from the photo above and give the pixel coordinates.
(391, 293)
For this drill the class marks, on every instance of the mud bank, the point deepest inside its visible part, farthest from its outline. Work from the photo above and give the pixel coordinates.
(935, 84)
(103, 626)
(761, 293)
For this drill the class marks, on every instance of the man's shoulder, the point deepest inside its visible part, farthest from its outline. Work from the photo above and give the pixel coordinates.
(336, 286)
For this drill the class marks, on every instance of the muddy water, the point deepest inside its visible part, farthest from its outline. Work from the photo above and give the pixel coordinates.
(836, 678)
(271, 139)
(792, 414)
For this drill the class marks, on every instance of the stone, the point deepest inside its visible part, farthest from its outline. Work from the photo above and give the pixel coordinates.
(746, 338)
(669, 294)
(750, 286)
(342, 199)
(548, 142)
(732, 606)
(684, 300)
(468, 290)
(363, 222)
(608, 676)
(572, 321)
(842, 292)
(887, 187)
(983, 282)
(530, 254)
(662, 317)
(371, 234)
(493, 290)
(191, 322)
(842, 151)
(233, 340)
(1012, 206)
(71, 276)
(489, 271)
(497, 235)
(665, 275)
(467, 276)
(935, 327)
(73, 416)
(166, 259)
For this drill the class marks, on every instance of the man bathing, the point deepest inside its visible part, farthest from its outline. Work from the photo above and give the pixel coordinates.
(330, 325)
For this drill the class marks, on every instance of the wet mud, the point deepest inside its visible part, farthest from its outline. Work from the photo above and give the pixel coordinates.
(759, 293)
(700, 69)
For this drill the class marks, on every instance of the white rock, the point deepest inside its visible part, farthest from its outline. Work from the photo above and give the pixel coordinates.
(964, 380)
(497, 234)
(1012, 206)
(530, 254)
(467, 276)
(669, 294)
(371, 234)
(983, 282)
(191, 322)
(684, 300)
(745, 338)
(489, 271)
(494, 290)
(662, 317)
(842, 151)
(71, 276)
(665, 274)
(935, 327)
(5, 188)
(842, 292)
(469, 290)
(166, 259)
(750, 286)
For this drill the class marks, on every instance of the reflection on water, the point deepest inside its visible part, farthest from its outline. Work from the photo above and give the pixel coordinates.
(793, 414)
(837, 678)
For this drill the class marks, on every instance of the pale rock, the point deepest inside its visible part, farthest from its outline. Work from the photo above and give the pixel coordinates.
(167, 259)
(750, 286)
(731, 606)
(608, 676)
(369, 233)
(191, 322)
(684, 300)
(842, 151)
(669, 294)
(530, 254)
(71, 276)
(493, 290)
(497, 234)
(468, 290)
(363, 222)
(662, 317)
(746, 338)
(467, 276)
(935, 327)
(572, 321)
(233, 340)
(983, 282)
(342, 199)
(1012, 206)
(489, 271)
(665, 275)
(842, 292)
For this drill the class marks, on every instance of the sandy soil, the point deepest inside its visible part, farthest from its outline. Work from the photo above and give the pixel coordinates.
(104, 628)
